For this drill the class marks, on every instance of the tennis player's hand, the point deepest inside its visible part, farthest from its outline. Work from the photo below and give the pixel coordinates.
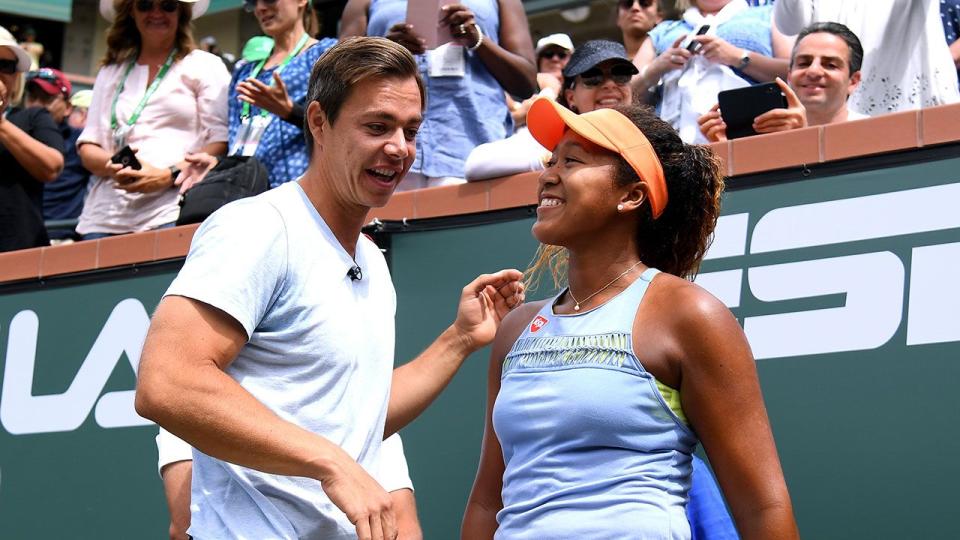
(362, 499)
(484, 303)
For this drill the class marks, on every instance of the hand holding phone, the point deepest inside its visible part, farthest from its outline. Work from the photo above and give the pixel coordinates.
(127, 158)
(691, 44)
(739, 107)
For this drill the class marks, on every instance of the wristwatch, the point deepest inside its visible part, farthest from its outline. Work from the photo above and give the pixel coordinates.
(744, 60)
(174, 172)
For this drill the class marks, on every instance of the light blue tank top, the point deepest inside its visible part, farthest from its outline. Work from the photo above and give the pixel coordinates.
(591, 448)
(462, 112)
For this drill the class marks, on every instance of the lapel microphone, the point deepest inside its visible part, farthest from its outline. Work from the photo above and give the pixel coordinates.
(355, 273)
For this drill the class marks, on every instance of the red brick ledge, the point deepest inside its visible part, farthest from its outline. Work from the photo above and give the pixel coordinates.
(890, 133)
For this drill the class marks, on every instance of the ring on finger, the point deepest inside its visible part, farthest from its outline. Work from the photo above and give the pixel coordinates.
(463, 29)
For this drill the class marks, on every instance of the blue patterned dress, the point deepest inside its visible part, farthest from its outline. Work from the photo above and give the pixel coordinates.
(282, 149)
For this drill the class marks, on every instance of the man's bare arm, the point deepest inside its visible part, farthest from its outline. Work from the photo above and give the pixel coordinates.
(181, 385)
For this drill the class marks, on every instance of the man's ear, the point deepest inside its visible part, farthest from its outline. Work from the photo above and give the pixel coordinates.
(316, 122)
(633, 199)
(854, 83)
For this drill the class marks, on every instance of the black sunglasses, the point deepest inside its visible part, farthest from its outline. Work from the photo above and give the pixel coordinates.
(619, 74)
(146, 6)
(250, 5)
(559, 54)
(8, 66)
(627, 4)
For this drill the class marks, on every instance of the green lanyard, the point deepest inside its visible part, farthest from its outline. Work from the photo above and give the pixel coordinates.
(245, 109)
(114, 124)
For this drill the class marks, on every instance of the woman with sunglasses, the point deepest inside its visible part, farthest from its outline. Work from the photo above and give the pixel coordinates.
(738, 45)
(267, 95)
(597, 75)
(31, 154)
(598, 396)
(164, 99)
(491, 53)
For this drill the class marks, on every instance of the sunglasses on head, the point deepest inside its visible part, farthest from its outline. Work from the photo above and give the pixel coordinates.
(46, 75)
(627, 4)
(250, 5)
(619, 74)
(146, 6)
(559, 54)
(8, 66)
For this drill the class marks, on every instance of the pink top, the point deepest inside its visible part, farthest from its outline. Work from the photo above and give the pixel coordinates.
(187, 112)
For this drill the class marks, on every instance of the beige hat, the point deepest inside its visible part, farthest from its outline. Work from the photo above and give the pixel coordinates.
(7, 40)
(199, 8)
(559, 40)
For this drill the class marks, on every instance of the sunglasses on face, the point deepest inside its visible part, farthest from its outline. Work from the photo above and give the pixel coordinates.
(250, 5)
(8, 66)
(146, 6)
(558, 54)
(620, 75)
(627, 4)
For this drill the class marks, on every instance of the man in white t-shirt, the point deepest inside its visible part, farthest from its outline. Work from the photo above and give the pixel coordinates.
(272, 351)
(824, 72)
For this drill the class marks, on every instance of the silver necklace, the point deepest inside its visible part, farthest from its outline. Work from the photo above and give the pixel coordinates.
(601, 289)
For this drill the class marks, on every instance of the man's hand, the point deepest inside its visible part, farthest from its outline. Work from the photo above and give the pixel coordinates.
(274, 99)
(362, 499)
(793, 117)
(712, 125)
(484, 303)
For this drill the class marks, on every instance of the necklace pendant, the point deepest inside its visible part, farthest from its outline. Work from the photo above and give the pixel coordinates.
(576, 307)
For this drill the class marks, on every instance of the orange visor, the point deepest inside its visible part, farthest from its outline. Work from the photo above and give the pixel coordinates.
(548, 121)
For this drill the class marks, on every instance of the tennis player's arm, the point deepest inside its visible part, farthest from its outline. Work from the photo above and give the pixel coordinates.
(721, 397)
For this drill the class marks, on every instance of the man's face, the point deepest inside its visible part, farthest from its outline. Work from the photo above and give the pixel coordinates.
(59, 108)
(371, 146)
(820, 73)
(636, 17)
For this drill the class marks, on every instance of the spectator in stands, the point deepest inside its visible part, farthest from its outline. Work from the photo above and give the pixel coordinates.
(209, 44)
(824, 71)
(553, 53)
(492, 52)
(162, 97)
(266, 109)
(597, 76)
(62, 198)
(635, 19)
(950, 14)
(31, 154)
(741, 48)
(908, 66)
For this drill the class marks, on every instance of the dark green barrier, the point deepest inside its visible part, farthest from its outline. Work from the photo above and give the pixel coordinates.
(845, 283)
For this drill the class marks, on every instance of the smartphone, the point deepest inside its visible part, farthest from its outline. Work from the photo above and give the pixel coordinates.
(127, 158)
(424, 16)
(689, 43)
(740, 106)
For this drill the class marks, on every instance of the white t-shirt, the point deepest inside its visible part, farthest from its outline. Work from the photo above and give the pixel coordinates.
(187, 112)
(906, 60)
(319, 355)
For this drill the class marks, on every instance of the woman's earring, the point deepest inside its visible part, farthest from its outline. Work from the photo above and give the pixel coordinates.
(619, 208)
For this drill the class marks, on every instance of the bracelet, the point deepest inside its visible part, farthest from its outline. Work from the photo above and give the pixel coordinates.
(479, 38)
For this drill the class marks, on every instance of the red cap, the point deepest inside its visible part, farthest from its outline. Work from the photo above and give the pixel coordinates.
(52, 81)
(548, 121)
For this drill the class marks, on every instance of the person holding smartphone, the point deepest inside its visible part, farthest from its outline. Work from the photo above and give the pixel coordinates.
(164, 99)
(740, 46)
(824, 72)
(31, 154)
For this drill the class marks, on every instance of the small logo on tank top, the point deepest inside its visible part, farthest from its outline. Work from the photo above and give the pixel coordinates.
(538, 323)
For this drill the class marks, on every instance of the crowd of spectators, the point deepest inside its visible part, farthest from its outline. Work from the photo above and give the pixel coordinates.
(173, 101)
